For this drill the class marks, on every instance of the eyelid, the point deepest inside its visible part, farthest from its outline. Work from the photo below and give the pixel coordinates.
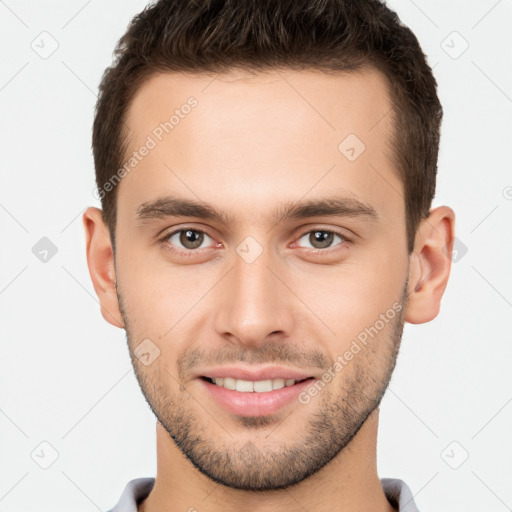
(342, 234)
(347, 238)
(345, 233)
(169, 234)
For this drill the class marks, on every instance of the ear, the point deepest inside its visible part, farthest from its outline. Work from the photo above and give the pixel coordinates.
(430, 264)
(100, 260)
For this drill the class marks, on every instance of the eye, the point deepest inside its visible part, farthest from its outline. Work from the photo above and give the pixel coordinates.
(186, 238)
(187, 241)
(323, 238)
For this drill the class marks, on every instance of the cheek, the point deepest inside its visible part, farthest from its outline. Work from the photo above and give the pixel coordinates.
(350, 298)
(160, 298)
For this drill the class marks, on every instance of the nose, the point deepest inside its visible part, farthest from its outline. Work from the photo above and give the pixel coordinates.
(253, 303)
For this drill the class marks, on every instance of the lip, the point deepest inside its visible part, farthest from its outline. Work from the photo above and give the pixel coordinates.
(252, 403)
(261, 373)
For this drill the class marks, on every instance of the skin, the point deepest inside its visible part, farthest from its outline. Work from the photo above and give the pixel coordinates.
(252, 144)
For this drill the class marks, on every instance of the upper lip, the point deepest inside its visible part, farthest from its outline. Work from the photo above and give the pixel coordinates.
(254, 374)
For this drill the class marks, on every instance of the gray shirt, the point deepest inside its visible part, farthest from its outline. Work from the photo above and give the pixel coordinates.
(397, 492)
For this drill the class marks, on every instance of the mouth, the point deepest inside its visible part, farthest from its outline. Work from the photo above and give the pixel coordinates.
(253, 386)
(254, 397)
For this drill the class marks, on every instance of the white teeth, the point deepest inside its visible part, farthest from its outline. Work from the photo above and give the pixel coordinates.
(244, 385)
(228, 383)
(262, 386)
(277, 383)
(248, 386)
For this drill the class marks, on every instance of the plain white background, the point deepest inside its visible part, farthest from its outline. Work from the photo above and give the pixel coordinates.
(65, 376)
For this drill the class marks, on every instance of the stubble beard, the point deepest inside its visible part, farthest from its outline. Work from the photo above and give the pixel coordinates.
(337, 415)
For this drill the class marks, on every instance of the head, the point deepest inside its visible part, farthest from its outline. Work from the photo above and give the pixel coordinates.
(209, 37)
(266, 174)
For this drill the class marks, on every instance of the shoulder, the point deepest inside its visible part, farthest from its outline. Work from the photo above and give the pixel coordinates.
(398, 494)
(135, 491)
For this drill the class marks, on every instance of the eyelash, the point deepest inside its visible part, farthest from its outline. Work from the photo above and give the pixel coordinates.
(189, 252)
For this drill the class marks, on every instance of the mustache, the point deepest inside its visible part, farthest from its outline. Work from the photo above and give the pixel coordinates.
(276, 352)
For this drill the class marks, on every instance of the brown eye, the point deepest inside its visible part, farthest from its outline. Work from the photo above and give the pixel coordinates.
(322, 238)
(188, 239)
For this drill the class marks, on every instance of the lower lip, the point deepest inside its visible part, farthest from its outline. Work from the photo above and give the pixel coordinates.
(252, 403)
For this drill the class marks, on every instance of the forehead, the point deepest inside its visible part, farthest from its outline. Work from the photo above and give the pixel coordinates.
(263, 136)
(301, 102)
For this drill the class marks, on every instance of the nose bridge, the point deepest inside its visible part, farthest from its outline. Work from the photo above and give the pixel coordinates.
(252, 306)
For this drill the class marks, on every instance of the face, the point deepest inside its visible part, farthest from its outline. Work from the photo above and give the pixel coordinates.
(262, 237)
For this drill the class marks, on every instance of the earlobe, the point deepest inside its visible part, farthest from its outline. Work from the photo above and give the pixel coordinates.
(430, 265)
(100, 260)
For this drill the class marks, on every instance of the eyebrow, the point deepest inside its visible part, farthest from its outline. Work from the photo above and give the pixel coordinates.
(170, 206)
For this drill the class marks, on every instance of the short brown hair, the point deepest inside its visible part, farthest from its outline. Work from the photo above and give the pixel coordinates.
(217, 36)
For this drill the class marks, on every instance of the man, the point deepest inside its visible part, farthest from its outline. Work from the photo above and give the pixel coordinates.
(266, 171)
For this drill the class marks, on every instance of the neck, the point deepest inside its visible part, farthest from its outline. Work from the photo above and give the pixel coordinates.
(348, 483)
